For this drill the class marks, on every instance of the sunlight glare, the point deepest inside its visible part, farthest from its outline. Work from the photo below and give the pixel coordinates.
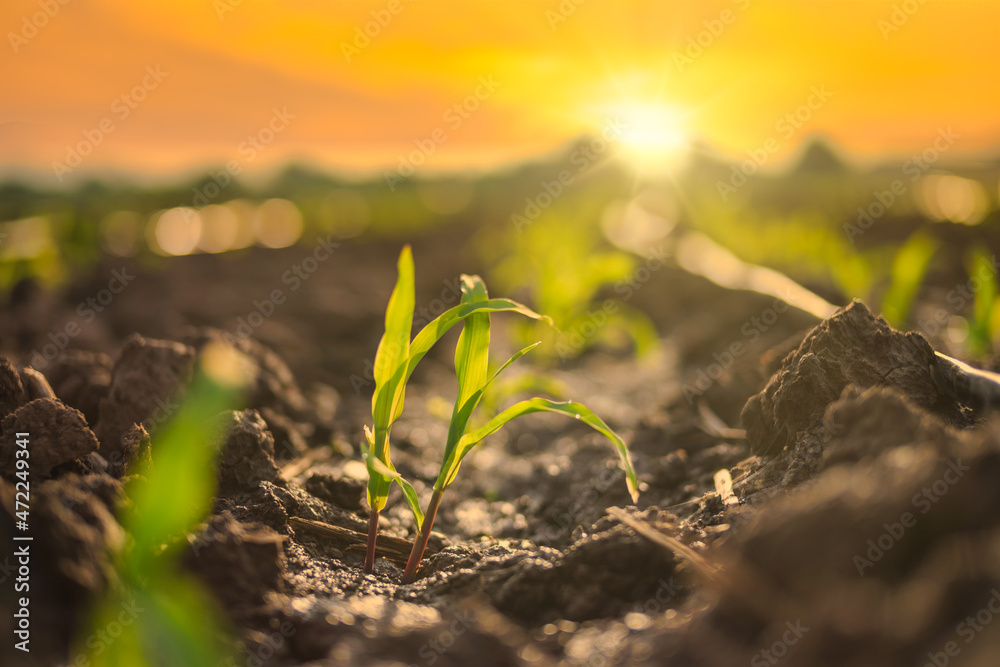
(653, 134)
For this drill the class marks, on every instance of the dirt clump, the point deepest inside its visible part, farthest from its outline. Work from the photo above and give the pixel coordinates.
(12, 393)
(247, 455)
(887, 551)
(238, 561)
(74, 532)
(343, 492)
(82, 379)
(57, 434)
(854, 347)
(145, 383)
(273, 384)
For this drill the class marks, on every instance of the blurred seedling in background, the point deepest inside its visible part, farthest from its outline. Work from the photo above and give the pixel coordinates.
(909, 267)
(563, 265)
(175, 620)
(474, 380)
(984, 325)
(908, 273)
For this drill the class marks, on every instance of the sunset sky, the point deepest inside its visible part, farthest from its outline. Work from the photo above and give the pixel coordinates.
(544, 72)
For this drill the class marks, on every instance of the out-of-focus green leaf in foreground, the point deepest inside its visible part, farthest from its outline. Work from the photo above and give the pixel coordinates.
(155, 614)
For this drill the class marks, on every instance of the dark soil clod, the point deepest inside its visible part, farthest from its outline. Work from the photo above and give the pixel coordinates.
(12, 393)
(146, 380)
(58, 434)
(854, 347)
(247, 455)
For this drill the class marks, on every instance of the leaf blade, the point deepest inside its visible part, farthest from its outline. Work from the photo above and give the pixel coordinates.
(389, 471)
(571, 408)
(472, 351)
(471, 357)
(463, 416)
(437, 328)
(390, 361)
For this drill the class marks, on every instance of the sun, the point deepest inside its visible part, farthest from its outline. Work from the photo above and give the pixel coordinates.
(653, 134)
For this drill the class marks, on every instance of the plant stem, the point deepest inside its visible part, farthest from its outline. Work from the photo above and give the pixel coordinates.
(425, 534)
(372, 536)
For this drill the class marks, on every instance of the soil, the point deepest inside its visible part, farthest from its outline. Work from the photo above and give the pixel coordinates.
(866, 530)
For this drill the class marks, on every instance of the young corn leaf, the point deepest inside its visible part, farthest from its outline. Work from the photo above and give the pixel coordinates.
(392, 391)
(472, 351)
(471, 354)
(433, 332)
(397, 357)
(185, 469)
(377, 467)
(571, 408)
(460, 420)
(390, 361)
(179, 623)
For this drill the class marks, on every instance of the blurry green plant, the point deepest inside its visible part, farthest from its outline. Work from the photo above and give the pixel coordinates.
(802, 244)
(474, 380)
(524, 382)
(984, 326)
(175, 620)
(562, 263)
(909, 267)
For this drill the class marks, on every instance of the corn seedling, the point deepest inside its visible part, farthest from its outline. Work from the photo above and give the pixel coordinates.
(474, 380)
(395, 360)
(563, 262)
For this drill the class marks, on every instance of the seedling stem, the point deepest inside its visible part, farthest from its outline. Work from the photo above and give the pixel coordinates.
(425, 534)
(372, 535)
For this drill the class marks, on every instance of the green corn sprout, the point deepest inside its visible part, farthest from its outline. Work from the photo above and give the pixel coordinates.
(395, 361)
(471, 367)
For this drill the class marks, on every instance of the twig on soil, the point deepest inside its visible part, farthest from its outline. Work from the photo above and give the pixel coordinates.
(307, 461)
(394, 548)
(709, 571)
(965, 383)
(686, 502)
(737, 577)
(713, 425)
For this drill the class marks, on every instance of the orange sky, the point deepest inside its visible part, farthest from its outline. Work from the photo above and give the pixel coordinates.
(557, 75)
